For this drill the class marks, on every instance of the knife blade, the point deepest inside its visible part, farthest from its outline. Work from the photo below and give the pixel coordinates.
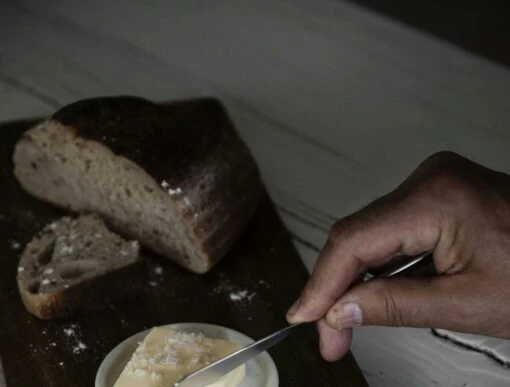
(221, 367)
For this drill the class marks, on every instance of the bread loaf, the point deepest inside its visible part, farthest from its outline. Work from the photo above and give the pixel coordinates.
(77, 265)
(176, 177)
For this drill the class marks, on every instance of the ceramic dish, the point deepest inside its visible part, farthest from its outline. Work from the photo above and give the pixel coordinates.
(260, 371)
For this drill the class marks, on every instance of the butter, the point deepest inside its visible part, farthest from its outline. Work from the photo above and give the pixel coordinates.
(166, 356)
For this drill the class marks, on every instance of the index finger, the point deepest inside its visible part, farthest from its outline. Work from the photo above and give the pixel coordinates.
(366, 239)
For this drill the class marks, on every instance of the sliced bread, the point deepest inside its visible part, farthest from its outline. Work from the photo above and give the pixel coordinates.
(77, 265)
(176, 177)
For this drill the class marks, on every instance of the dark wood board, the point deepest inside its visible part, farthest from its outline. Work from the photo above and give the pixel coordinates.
(264, 262)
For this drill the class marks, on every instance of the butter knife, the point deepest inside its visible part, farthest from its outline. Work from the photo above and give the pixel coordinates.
(212, 372)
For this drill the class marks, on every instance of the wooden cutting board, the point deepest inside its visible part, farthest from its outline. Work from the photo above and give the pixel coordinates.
(263, 264)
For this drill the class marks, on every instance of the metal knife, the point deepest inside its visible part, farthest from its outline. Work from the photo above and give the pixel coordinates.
(221, 367)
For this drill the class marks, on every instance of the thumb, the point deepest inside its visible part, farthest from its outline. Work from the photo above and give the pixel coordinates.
(433, 302)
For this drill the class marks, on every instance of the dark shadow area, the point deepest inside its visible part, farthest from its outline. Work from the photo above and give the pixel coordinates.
(481, 27)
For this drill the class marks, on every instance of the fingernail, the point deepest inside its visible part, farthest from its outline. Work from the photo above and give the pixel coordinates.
(349, 316)
(293, 309)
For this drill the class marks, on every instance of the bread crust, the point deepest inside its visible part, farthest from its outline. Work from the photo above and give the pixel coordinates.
(92, 295)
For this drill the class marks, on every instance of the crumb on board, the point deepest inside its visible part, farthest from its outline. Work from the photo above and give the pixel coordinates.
(242, 295)
(79, 347)
(236, 293)
(69, 332)
(264, 283)
(155, 275)
(73, 335)
(15, 245)
(108, 138)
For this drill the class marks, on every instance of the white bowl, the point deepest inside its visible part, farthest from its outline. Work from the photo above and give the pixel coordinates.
(260, 371)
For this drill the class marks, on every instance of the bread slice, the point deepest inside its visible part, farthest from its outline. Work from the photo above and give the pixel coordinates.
(76, 265)
(176, 177)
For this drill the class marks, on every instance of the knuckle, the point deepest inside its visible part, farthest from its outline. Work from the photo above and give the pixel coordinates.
(311, 288)
(338, 227)
(338, 232)
(443, 158)
(393, 313)
(450, 185)
(311, 299)
(346, 227)
(448, 179)
(391, 310)
(440, 161)
(451, 176)
(444, 177)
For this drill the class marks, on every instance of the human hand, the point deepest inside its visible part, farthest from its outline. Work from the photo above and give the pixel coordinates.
(449, 205)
